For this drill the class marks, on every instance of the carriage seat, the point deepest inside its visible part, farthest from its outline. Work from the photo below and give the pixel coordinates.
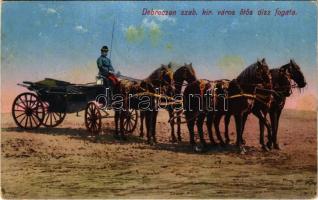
(100, 80)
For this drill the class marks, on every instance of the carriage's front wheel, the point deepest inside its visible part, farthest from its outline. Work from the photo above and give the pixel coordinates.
(52, 119)
(130, 120)
(93, 118)
(28, 111)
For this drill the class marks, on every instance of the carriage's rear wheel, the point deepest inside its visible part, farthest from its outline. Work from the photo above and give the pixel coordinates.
(27, 111)
(93, 118)
(52, 119)
(130, 120)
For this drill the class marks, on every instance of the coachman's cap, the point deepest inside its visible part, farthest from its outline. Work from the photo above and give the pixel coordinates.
(104, 48)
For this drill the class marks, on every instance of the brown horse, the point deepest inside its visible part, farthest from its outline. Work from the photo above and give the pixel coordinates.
(182, 74)
(257, 81)
(232, 103)
(161, 81)
(195, 106)
(138, 95)
(255, 75)
(281, 84)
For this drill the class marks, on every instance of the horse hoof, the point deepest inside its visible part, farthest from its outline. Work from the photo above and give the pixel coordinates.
(213, 143)
(243, 142)
(223, 144)
(276, 146)
(116, 136)
(242, 150)
(269, 145)
(199, 149)
(264, 148)
(141, 135)
(123, 138)
(173, 140)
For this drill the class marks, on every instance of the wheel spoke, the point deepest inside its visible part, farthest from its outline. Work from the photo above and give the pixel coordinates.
(19, 110)
(20, 115)
(89, 123)
(34, 120)
(54, 117)
(31, 122)
(131, 125)
(22, 101)
(89, 114)
(26, 122)
(125, 122)
(36, 117)
(22, 119)
(26, 100)
(50, 119)
(21, 106)
(46, 119)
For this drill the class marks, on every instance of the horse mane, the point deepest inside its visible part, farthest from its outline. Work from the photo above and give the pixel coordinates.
(285, 66)
(156, 74)
(248, 75)
(184, 67)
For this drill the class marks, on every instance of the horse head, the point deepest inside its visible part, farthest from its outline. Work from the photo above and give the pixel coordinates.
(185, 73)
(295, 73)
(281, 82)
(166, 74)
(262, 73)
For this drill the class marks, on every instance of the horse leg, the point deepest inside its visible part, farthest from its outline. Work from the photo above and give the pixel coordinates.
(261, 134)
(179, 127)
(276, 146)
(244, 119)
(190, 123)
(274, 123)
(263, 120)
(216, 122)
(239, 127)
(226, 127)
(142, 119)
(122, 119)
(117, 117)
(148, 119)
(171, 119)
(209, 123)
(154, 123)
(200, 122)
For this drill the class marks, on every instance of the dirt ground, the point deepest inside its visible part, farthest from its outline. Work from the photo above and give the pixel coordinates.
(64, 162)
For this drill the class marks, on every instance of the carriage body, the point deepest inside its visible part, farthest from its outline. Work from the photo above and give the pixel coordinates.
(51, 99)
(63, 96)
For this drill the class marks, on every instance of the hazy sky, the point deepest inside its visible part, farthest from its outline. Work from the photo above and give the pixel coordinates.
(63, 39)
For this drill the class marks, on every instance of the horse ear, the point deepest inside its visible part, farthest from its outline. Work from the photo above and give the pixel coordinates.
(191, 64)
(258, 61)
(263, 60)
(292, 61)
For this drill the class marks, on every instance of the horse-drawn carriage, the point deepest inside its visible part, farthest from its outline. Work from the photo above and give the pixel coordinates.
(51, 99)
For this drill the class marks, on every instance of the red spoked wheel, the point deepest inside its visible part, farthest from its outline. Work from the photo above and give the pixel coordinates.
(93, 118)
(130, 121)
(28, 111)
(52, 119)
